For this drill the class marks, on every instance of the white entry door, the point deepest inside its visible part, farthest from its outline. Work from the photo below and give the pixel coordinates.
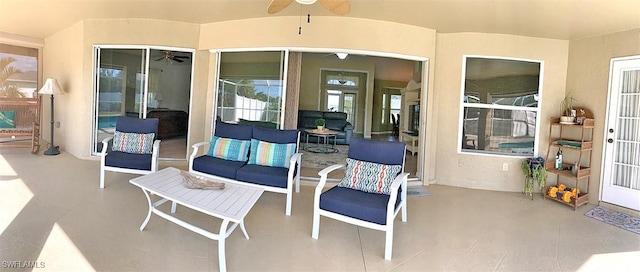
(621, 161)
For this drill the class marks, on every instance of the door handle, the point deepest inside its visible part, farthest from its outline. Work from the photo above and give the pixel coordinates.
(610, 130)
(610, 141)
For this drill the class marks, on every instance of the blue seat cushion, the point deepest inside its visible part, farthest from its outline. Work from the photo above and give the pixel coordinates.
(263, 175)
(361, 205)
(128, 160)
(216, 166)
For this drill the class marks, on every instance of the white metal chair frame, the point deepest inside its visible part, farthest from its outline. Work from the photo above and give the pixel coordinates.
(103, 167)
(399, 181)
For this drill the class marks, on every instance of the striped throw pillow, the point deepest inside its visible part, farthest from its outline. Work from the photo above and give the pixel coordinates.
(369, 177)
(136, 143)
(271, 154)
(228, 148)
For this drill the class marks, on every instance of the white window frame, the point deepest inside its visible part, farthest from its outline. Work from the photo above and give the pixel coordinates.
(464, 104)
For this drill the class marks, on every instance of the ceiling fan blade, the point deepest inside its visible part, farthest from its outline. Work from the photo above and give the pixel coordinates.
(159, 59)
(181, 57)
(278, 5)
(340, 7)
(177, 60)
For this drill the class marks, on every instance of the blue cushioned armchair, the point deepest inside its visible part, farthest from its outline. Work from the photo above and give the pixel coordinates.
(370, 204)
(136, 150)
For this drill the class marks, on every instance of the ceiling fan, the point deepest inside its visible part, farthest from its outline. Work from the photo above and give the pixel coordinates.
(339, 7)
(169, 56)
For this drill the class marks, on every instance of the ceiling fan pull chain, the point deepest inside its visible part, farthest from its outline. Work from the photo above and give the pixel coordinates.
(300, 22)
(308, 18)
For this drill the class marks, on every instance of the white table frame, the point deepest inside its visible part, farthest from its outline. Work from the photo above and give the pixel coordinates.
(231, 204)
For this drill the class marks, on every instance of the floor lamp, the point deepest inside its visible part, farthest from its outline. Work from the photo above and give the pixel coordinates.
(51, 87)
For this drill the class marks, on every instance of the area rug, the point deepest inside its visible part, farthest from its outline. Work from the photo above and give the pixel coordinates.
(320, 160)
(417, 191)
(618, 219)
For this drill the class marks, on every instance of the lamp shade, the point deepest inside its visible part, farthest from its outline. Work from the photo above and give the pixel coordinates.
(51, 86)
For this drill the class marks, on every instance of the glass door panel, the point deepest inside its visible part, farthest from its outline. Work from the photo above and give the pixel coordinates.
(120, 76)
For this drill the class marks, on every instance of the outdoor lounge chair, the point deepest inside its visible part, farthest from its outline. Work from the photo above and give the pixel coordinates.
(372, 193)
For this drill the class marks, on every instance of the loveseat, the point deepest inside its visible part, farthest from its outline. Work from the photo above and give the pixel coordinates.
(333, 120)
(251, 155)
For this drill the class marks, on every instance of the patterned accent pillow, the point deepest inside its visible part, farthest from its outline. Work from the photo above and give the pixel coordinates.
(271, 154)
(369, 177)
(228, 148)
(7, 119)
(136, 143)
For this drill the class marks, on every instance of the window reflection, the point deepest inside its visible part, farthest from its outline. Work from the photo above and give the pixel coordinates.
(500, 103)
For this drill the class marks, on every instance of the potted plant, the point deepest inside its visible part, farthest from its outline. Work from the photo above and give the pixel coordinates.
(320, 123)
(568, 114)
(534, 171)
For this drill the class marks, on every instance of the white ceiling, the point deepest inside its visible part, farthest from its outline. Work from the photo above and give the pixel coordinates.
(557, 19)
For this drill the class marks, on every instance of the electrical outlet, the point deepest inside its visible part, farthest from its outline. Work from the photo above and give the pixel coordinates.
(505, 166)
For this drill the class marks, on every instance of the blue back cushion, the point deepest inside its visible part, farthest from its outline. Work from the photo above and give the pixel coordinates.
(136, 125)
(382, 152)
(278, 136)
(233, 131)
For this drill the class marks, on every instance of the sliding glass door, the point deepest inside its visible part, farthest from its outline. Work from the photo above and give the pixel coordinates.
(250, 87)
(143, 83)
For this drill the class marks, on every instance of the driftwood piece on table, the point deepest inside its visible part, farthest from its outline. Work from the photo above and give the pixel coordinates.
(197, 182)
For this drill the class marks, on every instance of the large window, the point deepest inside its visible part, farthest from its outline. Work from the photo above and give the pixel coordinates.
(500, 106)
(18, 71)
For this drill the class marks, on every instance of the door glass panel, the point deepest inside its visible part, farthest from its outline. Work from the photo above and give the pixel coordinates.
(333, 100)
(350, 107)
(250, 87)
(119, 79)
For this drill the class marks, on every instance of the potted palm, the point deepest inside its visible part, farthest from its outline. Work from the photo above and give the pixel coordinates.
(320, 123)
(534, 171)
(568, 114)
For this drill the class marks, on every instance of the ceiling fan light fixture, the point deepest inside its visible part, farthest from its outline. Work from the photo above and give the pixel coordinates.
(306, 2)
(342, 55)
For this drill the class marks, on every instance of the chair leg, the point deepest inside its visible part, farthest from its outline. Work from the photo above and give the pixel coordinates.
(388, 243)
(404, 211)
(316, 224)
(289, 200)
(101, 177)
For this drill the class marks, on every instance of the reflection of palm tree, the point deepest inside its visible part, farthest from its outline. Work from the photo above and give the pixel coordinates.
(6, 71)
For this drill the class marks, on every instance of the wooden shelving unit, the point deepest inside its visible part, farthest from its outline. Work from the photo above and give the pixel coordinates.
(583, 145)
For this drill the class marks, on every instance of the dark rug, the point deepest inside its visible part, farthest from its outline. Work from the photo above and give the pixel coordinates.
(618, 219)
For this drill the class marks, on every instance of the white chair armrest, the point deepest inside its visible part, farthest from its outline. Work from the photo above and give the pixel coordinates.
(323, 176)
(105, 146)
(195, 147)
(400, 180)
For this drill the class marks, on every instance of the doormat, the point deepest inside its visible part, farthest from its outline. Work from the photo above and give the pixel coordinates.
(416, 191)
(618, 219)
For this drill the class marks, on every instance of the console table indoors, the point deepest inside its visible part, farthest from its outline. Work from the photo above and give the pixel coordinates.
(411, 141)
(231, 204)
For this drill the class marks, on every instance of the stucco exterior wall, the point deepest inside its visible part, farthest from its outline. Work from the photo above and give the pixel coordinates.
(588, 82)
(483, 171)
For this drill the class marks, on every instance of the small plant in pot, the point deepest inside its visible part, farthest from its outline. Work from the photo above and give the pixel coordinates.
(320, 123)
(534, 171)
(568, 113)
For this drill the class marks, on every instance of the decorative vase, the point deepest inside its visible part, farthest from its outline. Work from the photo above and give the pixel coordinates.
(320, 128)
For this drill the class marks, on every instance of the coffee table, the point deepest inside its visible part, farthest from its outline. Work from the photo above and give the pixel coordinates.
(231, 204)
(322, 146)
